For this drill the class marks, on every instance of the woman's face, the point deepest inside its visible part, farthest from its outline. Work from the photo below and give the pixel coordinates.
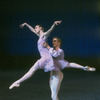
(37, 29)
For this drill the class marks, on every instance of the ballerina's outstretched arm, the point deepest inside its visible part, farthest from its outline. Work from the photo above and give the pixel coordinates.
(52, 27)
(30, 27)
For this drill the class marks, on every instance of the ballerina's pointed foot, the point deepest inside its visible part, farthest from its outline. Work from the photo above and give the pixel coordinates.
(87, 68)
(15, 84)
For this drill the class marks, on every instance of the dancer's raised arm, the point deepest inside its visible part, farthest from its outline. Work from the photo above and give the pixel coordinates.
(52, 27)
(30, 27)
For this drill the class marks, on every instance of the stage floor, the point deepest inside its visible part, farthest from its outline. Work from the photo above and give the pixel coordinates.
(76, 85)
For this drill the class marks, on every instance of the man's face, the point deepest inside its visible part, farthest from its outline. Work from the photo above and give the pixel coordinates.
(55, 42)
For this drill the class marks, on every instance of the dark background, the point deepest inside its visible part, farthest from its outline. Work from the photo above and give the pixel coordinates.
(79, 31)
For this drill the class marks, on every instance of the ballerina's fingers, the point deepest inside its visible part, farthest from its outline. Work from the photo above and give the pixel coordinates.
(58, 22)
(21, 26)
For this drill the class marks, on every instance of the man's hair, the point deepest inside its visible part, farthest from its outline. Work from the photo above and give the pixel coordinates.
(59, 40)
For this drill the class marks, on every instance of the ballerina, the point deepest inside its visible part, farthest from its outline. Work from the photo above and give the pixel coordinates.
(46, 61)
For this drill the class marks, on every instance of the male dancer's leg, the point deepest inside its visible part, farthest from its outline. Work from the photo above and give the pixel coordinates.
(55, 82)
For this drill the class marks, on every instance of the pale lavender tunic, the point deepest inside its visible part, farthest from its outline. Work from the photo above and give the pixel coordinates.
(46, 60)
(58, 57)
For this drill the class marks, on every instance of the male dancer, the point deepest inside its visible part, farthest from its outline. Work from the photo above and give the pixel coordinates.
(56, 75)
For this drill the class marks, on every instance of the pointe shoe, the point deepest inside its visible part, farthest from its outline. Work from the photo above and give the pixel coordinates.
(87, 68)
(15, 84)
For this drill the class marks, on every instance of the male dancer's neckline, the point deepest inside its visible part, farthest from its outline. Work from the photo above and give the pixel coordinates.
(56, 48)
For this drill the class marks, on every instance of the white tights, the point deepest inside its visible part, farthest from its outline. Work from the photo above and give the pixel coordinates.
(56, 79)
(55, 82)
(30, 72)
(75, 65)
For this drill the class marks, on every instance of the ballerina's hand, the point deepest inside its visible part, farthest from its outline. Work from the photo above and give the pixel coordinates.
(22, 25)
(15, 84)
(57, 22)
